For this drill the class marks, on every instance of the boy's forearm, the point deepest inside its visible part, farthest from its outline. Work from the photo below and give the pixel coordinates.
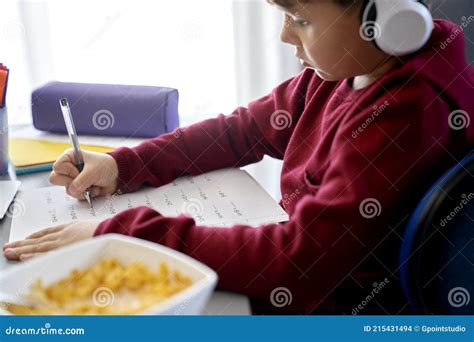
(205, 146)
(234, 140)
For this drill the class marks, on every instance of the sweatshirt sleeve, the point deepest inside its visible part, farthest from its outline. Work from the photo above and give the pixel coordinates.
(332, 230)
(234, 140)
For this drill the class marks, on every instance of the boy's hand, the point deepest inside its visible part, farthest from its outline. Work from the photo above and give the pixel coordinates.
(50, 238)
(99, 174)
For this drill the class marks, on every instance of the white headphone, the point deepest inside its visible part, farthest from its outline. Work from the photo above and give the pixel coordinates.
(397, 27)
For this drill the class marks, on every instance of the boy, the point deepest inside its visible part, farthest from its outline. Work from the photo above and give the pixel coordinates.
(364, 135)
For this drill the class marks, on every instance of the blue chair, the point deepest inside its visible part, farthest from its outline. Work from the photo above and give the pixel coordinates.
(437, 254)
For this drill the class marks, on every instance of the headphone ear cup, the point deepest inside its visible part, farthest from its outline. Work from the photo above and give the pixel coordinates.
(397, 28)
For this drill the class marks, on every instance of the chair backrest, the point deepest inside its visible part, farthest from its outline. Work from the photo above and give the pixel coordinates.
(437, 255)
(460, 12)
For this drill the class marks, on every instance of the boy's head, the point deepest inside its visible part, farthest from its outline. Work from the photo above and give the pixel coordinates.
(327, 37)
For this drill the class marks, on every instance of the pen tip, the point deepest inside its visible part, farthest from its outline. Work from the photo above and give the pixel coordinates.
(87, 195)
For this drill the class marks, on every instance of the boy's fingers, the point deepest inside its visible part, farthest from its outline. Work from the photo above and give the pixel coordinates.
(65, 168)
(95, 191)
(10, 254)
(68, 156)
(76, 194)
(57, 179)
(81, 182)
(35, 238)
(44, 232)
(15, 253)
(24, 257)
(19, 243)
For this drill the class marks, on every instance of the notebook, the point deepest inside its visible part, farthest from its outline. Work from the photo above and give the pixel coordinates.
(29, 155)
(219, 198)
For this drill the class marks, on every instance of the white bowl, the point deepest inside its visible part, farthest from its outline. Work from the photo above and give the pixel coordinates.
(57, 264)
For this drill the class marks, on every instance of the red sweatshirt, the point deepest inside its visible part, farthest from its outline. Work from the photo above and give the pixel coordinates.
(354, 164)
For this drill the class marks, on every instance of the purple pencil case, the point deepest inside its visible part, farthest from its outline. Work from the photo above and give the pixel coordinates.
(107, 109)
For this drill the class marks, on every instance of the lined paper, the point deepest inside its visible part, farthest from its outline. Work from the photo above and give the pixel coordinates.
(219, 198)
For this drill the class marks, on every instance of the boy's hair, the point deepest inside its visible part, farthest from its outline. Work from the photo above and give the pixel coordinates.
(291, 3)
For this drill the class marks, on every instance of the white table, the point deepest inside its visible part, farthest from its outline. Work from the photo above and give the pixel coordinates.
(221, 303)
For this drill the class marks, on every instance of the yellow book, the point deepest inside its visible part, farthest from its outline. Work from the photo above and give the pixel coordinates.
(26, 153)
